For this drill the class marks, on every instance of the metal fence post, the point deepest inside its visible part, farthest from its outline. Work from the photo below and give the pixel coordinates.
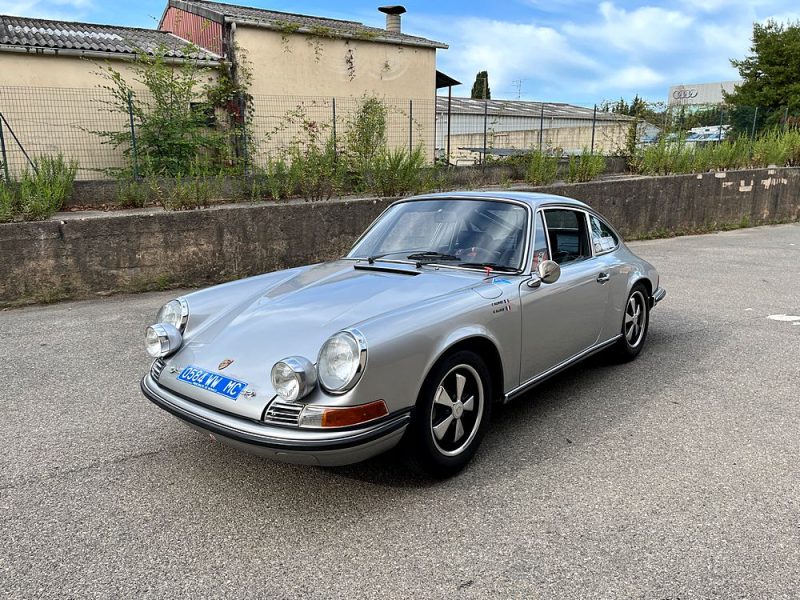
(755, 116)
(3, 151)
(243, 116)
(133, 136)
(594, 123)
(333, 129)
(410, 126)
(719, 133)
(541, 127)
(786, 118)
(485, 128)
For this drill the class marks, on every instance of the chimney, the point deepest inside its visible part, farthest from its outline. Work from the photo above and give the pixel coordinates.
(393, 16)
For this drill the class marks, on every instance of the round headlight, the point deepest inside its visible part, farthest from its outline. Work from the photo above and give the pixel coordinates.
(341, 361)
(293, 378)
(176, 313)
(162, 339)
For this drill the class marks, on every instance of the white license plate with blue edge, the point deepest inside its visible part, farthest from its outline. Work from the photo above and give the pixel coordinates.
(212, 382)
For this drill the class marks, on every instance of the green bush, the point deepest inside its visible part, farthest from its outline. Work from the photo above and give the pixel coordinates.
(542, 169)
(585, 167)
(396, 172)
(41, 190)
(315, 171)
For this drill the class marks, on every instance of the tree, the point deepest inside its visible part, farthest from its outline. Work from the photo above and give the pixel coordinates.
(480, 89)
(770, 74)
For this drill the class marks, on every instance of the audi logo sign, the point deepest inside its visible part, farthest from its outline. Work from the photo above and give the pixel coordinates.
(684, 94)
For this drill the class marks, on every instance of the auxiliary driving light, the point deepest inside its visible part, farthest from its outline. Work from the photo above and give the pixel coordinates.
(162, 340)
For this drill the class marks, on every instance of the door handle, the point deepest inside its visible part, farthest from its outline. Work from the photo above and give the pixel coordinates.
(603, 277)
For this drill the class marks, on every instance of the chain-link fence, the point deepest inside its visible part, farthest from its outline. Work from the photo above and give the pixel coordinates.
(100, 131)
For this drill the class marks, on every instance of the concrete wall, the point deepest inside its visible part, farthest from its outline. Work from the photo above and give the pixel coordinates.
(73, 256)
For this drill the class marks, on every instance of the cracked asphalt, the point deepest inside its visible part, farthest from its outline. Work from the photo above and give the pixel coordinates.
(675, 476)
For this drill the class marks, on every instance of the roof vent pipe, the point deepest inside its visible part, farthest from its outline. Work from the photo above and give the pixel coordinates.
(393, 16)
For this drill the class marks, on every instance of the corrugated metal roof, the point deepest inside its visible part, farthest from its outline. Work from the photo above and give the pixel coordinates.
(276, 20)
(523, 108)
(24, 32)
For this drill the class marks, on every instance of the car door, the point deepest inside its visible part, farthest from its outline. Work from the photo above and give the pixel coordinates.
(562, 319)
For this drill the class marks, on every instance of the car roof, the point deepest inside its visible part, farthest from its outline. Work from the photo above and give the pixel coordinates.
(533, 199)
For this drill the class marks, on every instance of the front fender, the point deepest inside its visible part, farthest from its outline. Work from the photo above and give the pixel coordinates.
(403, 347)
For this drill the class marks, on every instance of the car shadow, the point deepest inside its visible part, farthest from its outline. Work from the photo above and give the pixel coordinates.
(393, 469)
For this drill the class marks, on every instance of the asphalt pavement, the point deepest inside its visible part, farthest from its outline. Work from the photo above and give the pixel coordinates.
(675, 476)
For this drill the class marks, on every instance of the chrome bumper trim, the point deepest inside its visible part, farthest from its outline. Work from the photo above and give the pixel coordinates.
(254, 434)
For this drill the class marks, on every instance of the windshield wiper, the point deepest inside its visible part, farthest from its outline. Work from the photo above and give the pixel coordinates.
(489, 265)
(428, 257)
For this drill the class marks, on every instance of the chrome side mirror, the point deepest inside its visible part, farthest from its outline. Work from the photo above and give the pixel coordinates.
(549, 271)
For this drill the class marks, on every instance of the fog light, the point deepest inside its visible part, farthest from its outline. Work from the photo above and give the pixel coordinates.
(162, 339)
(293, 378)
(329, 416)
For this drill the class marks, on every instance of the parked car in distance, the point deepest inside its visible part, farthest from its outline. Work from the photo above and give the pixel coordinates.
(446, 305)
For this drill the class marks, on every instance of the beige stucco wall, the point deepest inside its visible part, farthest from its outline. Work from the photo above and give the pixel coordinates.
(54, 102)
(296, 69)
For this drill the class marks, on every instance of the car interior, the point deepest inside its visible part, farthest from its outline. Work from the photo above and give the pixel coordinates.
(568, 234)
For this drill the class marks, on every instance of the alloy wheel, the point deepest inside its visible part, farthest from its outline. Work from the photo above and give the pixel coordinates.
(457, 410)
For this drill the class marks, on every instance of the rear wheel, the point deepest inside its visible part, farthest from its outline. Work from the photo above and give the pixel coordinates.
(452, 414)
(635, 322)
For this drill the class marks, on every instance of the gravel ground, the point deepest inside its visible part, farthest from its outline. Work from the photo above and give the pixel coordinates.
(675, 476)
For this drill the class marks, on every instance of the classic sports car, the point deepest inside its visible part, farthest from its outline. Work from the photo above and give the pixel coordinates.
(447, 304)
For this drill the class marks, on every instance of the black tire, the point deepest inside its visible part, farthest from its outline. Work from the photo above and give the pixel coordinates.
(445, 456)
(634, 325)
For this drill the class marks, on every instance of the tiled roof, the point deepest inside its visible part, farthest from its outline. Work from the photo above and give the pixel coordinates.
(523, 108)
(22, 32)
(277, 20)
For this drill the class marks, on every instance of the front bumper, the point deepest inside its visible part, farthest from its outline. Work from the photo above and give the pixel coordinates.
(657, 296)
(298, 446)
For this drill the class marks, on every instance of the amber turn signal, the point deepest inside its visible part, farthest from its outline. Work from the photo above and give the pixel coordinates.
(343, 417)
(328, 416)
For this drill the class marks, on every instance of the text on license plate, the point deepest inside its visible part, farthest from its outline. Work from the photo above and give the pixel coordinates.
(213, 382)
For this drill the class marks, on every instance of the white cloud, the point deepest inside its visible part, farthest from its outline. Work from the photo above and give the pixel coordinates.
(644, 28)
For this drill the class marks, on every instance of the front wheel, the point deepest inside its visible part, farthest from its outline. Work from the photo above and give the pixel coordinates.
(635, 321)
(451, 415)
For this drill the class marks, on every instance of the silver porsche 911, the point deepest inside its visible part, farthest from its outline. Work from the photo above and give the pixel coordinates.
(447, 304)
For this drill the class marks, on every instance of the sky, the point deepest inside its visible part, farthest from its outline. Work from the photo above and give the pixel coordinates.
(571, 51)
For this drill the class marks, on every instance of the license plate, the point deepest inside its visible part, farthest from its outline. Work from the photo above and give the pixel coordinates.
(212, 382)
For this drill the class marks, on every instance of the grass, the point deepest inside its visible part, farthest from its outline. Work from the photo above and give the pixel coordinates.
(40, 192)
(542, 169)
(774, 147)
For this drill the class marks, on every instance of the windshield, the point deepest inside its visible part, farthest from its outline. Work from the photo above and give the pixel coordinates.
(471, 233)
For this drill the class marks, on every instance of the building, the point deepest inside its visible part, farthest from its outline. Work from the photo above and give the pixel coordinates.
(700, 94)
(51, 99)
(50, 96)
(512, 126)
(317, 65)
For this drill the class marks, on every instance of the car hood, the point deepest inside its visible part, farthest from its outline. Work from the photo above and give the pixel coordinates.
(295, 316)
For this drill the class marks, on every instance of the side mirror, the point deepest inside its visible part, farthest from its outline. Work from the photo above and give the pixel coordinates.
(549, 271)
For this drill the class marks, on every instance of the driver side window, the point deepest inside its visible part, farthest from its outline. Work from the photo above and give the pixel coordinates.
(569, 238)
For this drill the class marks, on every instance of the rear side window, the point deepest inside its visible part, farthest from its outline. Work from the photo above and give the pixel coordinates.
(603, 239)
(569, 238)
